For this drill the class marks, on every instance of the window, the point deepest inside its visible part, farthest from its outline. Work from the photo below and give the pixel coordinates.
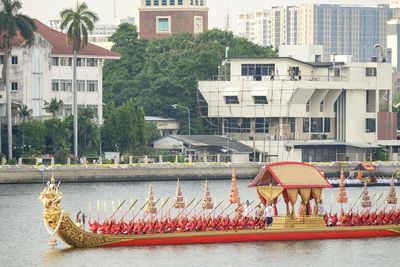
(163, 25)
(80, 62)
(1, 59)
(180, 2)
(66, 61)
(171, 2)
(258, 70)
(327, 125)
(370, 72)
(66, 85)
(261, 100)
(80, 85)
(92, 62)
(148, 2)
(92, 86)
(316, 125)
(306, 125)
(164, 2)
(231, 100)
(262, 125)
(14, 86)
(55, 61)
(14, 60)
(55, 85)
(370, 126)
(156, 3)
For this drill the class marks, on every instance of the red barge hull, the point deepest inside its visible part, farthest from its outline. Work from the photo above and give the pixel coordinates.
(76, 237)
(252, 236)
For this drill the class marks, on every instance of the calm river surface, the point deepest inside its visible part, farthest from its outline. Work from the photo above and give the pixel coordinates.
(23, 239)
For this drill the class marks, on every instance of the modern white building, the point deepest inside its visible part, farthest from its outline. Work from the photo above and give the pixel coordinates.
(289, 109)
(44, 71)
(101, 32)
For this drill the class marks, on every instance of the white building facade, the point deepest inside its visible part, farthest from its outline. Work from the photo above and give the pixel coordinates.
(287, 109)
(44, 71)
(256, 27)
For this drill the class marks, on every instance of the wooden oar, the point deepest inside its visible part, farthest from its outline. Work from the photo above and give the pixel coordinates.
(382, 202)
(254, 207)
(220, 203)
(140, 210)
(162, 206)
(98, 211)
(187, 206)
(133, 204)
(119, 206)
(198, 202)
(222, 212)
(357, 199)
(330, 209)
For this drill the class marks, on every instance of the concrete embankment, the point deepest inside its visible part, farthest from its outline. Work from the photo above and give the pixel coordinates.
(160, 172)
(125, 173)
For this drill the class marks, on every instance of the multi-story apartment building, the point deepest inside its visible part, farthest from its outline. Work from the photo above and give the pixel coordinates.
(101, 32)
(256, 27)
(44, 71)
(162, 18)
(341, 29)
(288, 109)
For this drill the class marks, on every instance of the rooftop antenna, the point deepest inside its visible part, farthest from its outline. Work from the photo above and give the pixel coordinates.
(115, 13)
(228, 19)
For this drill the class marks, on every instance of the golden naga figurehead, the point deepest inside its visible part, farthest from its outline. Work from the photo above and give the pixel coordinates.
(51, 196)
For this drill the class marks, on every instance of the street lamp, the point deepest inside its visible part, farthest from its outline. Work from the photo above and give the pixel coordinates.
(175, 106)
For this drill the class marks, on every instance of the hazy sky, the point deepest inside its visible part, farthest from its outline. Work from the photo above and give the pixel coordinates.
(46, 10)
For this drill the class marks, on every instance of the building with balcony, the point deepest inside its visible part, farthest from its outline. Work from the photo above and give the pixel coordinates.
(162, 18)
(304, 110)
(44, 71)
(166, 126)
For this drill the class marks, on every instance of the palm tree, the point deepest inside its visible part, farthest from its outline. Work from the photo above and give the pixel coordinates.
(53, 106)
(11, 22)
(78, 23)
(24, 113)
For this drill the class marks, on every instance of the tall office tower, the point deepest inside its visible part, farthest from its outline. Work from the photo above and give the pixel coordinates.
(162, 18)
(256, 27)
(341, 29)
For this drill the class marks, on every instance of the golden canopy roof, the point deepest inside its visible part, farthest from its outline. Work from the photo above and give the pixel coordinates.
(291, 175)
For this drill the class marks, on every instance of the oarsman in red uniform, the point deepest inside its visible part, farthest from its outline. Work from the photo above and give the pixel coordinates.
(94, 226)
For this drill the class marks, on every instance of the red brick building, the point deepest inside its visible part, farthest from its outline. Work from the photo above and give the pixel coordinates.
(162, 18)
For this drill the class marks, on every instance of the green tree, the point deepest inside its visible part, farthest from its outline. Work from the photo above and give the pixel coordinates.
(88, 132)
(35, 138)
(79, 23)
(163, 72)
(141, 129)
(11, 22)
(24, 113)
(57, 139)
(53, 107)
(152, 132)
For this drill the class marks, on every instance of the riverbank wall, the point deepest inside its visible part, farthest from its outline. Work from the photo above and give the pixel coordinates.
(163, 172)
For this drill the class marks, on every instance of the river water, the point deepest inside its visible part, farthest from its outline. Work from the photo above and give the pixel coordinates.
(23, 238)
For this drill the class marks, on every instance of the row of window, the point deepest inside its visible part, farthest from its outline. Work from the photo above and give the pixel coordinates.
(164, 2)
(173, 2)
(316, 125)
(80, 62)
(81, 85)
(67, 109)
(14, 60)
(259, 100)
